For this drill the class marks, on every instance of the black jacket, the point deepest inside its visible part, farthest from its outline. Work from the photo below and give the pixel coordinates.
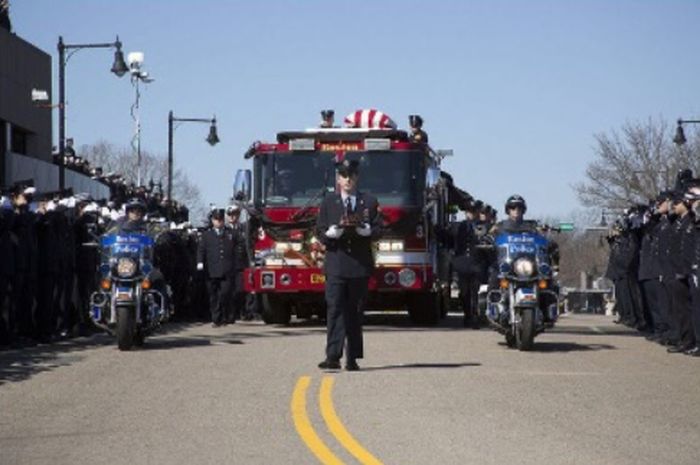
(218, 253)
(350, 256)
(665, 232)
(681, 250)
(7, 243)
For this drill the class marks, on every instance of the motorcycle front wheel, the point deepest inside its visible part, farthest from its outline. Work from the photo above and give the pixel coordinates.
(525, 335)
(126, 328)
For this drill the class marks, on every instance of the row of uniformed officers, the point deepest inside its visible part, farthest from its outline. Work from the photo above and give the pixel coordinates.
(654, 265)
(47, 274)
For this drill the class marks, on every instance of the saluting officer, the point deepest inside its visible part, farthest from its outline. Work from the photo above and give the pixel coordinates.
(417, 132)
(216, 255)
(347, 224)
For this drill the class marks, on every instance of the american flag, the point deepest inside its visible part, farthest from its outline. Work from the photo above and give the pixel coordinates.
(370, 119)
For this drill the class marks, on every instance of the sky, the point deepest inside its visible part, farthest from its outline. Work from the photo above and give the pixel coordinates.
(517, 89)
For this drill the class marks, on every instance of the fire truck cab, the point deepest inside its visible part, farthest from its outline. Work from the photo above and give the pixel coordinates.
(282, 193)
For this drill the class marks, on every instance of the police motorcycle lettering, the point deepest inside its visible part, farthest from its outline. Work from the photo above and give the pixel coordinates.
(521, 302)
(126, 304)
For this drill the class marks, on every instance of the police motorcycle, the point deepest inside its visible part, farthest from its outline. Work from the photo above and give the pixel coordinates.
(521, 299)
(127, 304)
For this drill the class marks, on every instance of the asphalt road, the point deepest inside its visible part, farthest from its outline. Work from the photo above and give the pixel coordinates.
(590, 393)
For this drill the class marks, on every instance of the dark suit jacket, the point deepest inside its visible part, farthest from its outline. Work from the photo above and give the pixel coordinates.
(218, 253)
(350, 256)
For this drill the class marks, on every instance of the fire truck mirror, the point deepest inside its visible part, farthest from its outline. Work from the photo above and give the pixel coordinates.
(432, 177)
(242, 186)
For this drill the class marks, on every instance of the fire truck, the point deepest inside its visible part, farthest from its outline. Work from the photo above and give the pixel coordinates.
(282, 194)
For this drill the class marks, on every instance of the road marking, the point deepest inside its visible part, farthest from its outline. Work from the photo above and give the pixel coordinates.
(597, 330)
(305, 429)
(335, 426)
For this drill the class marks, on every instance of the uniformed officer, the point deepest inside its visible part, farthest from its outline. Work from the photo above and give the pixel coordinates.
(417, 133)
(347, 223)
(238, 307)
(692, 201)
(216, 255)
(327, 119)
(681, 262)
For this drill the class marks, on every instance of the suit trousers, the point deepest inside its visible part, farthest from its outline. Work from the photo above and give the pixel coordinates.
(680, 303)
(219, 290)
(650, 303)
(673, 330)
(695, 305)
(658, 304)
(344, 301)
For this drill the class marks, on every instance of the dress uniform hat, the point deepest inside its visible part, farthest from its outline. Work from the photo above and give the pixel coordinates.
(135, 204)
(677, 196)
(327, 114)
(348, 167)
(415, 121)
(663, 196)
(218, 213)
(233, 210)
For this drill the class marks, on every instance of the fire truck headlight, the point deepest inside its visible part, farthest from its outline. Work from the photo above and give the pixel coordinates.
(397, 246)
(282, 247)
(390, 278)
(407, 277)
(390, 246)
(296, 246)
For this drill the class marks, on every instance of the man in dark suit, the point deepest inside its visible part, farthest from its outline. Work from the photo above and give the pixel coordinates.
(216, 255)
(347, 224)
(237, 308)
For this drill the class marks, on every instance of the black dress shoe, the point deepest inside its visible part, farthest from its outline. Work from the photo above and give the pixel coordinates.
(352, 365)
(693, 352)
(677, 349)
(329, 365)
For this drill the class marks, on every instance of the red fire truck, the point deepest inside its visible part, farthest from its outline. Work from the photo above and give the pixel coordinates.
(282, 193)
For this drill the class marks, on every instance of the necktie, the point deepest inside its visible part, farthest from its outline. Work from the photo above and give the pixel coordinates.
(348, 206)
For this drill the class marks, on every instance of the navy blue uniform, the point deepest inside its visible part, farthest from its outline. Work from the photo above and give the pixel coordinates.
(217, 251)
(348, 265)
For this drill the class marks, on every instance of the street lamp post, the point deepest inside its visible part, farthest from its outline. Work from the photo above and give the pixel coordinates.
(138, 75)
(212, 139)
(679, 138)
(119, 68)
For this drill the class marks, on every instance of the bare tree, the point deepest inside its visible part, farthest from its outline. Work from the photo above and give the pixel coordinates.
(580, 250)
(633, 165)
(121, 160)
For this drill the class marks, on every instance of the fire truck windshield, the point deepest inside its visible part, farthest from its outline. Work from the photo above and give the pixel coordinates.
(293, 179)
(391, 176)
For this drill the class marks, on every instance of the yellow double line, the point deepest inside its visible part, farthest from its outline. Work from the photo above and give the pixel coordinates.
(335, 426)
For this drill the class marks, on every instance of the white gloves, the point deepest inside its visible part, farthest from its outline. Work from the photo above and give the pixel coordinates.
(200, 266)
(334, 232)
(365, 230)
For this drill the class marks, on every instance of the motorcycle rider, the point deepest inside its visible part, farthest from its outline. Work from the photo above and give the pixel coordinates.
(515, 209)
(134, 223)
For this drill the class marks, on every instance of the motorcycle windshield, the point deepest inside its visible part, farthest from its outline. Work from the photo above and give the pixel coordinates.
(139, 245)
(513, 245)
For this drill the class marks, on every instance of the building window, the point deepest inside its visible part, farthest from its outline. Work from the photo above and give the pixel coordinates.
(19, 141)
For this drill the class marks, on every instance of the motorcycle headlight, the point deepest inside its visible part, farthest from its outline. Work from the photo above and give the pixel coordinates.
(126, 267)
(407, 277)
(524, 267)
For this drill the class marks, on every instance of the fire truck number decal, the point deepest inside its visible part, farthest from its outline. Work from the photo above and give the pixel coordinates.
(317, 278)
(340, 146)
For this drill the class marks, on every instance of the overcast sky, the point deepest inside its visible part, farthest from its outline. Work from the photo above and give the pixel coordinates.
(516, 88)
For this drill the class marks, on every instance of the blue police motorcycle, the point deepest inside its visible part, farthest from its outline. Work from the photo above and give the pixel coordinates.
(521, 300)
(127, 305)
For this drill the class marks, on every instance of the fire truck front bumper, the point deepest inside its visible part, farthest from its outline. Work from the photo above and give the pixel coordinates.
(400, 278)
(280, 279)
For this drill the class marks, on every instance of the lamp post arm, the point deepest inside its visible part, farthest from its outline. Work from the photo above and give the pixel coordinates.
(172, 119)
(192, 120)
